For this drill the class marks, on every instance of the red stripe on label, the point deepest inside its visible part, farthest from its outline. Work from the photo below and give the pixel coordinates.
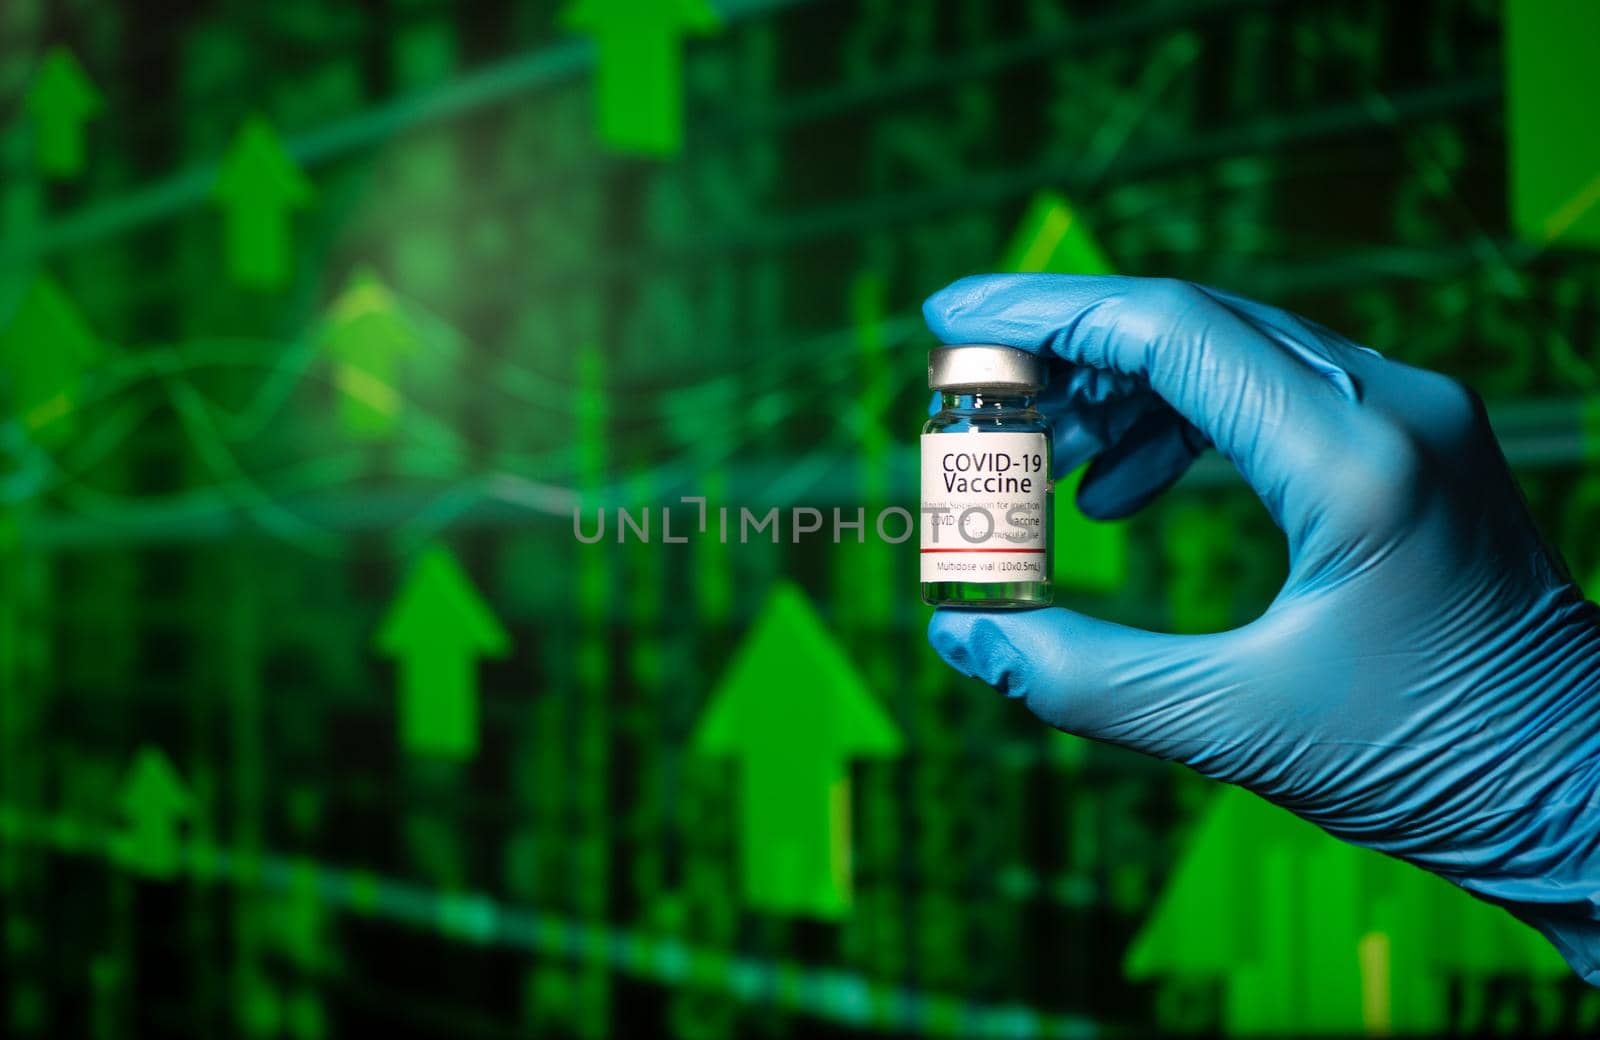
(986, 550)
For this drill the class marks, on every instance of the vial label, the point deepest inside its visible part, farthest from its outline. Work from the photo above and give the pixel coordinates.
(983, 506)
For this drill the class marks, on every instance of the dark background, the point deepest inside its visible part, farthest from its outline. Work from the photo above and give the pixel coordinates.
(427, 303)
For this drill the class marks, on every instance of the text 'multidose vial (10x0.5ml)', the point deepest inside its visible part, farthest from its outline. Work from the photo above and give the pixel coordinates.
(986, 491)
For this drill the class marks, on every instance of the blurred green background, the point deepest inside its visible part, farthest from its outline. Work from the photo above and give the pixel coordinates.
(318, 321)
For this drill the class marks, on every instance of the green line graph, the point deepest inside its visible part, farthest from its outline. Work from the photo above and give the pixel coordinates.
(476, 918)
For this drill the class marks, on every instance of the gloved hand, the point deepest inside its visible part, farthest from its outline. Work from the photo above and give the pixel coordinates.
(1427, 683)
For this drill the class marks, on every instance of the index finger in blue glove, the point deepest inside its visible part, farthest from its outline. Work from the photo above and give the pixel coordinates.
(1274, 410)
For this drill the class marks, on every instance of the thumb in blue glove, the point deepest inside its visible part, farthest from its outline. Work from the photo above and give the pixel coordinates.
(1427, 682)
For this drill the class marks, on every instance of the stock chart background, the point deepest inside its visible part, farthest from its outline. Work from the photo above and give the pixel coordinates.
(318, 321)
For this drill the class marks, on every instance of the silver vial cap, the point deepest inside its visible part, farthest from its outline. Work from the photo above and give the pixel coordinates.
(983, 366)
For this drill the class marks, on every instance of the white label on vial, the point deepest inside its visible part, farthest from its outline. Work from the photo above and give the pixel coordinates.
(983, 506)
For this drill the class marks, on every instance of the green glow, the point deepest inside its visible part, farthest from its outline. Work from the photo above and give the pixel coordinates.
(367, 336)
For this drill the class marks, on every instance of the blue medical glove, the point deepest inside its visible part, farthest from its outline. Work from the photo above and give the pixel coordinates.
(1427, 683)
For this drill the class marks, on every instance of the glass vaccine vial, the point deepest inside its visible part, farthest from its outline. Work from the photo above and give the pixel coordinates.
(986, 489)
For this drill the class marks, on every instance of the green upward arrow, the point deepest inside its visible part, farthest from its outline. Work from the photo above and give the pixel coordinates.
(794, 712)
(59, 103)
(437, 627)
(154, 805)
(639, 67)
(44, 349)
(257, 187)
(1051, 237)
(366, 334)
(1552, 79)
(1309, 934)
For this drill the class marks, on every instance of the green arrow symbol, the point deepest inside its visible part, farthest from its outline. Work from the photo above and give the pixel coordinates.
(639, 67)
(1051, 237)
(257, 188)
(44, 349)
(154, 805)
(437, 627)
(1309, 934)
(365, 335)
(793, 711)
(1551, 80)
(59, 103)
